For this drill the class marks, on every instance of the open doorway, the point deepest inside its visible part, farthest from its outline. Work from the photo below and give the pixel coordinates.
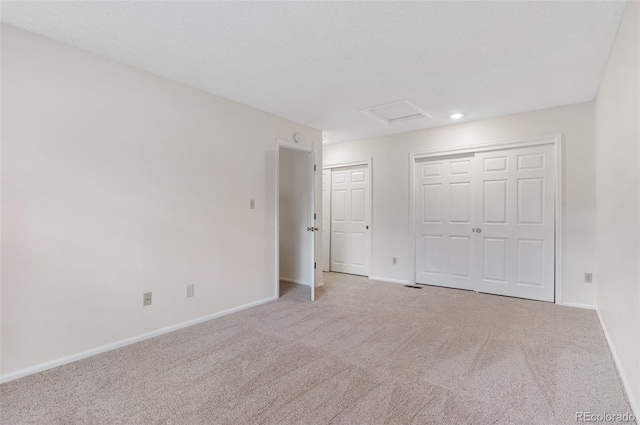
(295, 219)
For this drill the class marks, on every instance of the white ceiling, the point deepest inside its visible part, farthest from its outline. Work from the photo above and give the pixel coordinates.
(320, 63)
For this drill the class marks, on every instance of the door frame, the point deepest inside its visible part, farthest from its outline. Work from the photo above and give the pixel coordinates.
(549, 139)
(369, 163)
(282, 144)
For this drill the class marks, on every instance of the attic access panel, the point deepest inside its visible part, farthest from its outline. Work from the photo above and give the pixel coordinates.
(394, 112)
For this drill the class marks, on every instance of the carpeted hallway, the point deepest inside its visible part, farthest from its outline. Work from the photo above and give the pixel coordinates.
(364, 353)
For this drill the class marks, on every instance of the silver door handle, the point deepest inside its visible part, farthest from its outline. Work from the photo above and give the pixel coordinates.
(312, 229)
(476, 230)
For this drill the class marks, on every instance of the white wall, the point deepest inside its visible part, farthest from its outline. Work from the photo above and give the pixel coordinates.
(294, 216)
(117, 182)
(390, 185)
(617, 114)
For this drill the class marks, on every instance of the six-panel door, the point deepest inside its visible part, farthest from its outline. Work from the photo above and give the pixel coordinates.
(444, 213)
(516, 217)
(349, 215)
(486, 222)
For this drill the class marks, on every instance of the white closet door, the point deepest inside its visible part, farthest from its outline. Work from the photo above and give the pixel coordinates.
(444, 216)
(514, 233)
(349, 215)
(326, 219)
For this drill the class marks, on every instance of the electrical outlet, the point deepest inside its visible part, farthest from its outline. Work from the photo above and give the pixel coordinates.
(189, 290)
(147, 299)
(588, 278)
(395, 260)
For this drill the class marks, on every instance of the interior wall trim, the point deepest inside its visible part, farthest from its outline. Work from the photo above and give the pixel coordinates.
(384, 279)
(297, 281)
(635, 408)
(124, 342)
(579, 305)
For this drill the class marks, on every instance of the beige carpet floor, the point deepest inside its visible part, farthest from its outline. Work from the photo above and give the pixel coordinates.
(364, 353)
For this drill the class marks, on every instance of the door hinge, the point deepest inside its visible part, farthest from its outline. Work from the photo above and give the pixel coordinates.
(314, 216)
(314, 167)
(314, 265)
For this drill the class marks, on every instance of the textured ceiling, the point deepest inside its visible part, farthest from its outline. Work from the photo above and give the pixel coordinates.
(320, 63)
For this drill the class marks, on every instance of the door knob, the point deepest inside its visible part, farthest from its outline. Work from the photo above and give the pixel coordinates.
(367, 227)
(312, 229)
(476, 230)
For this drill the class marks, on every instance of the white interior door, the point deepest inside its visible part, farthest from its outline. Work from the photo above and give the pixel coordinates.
(444, 215)
(515, 240)
(312, 223)
(326, 220)
(350, 191)
(486, 222)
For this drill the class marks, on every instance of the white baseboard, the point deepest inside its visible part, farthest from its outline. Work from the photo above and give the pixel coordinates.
(384, 279)
(625, 382)
(579, 305)
(118, 344)
(298, 281)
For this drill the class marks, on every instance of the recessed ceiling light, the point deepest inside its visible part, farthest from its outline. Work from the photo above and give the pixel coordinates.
(457, 116)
